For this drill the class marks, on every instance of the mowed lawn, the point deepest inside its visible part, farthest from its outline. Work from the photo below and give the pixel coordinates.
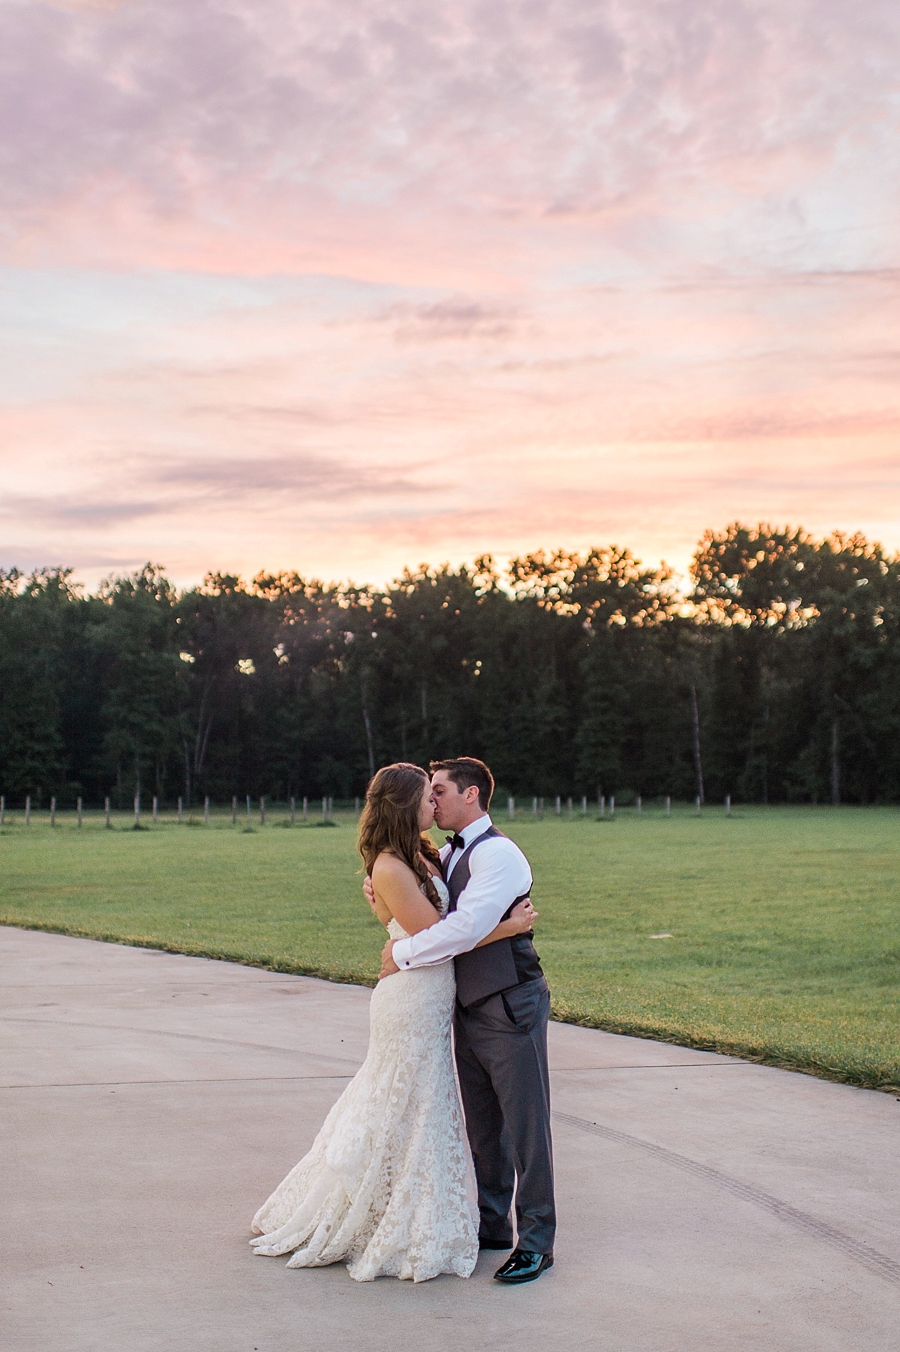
(784, 922)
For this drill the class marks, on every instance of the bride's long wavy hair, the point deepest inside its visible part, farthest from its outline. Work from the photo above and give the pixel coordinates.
(389, 822)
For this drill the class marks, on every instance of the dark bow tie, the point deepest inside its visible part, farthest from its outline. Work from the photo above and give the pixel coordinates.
(456, 842)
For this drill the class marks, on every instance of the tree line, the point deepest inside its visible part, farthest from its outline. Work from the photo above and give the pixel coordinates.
(773, 676)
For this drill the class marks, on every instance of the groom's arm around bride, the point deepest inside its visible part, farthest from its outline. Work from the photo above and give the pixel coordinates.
(493, 878)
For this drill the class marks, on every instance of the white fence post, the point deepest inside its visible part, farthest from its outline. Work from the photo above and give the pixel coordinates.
(584, 805)
(79, 814)
(206, 811)
(697, 805)
(106, 811)
(28, 809)
(137, 809)
(52, 811)
(728, 805)
(602, 806)
(510, 808)
(569, 805)
(558, 806)
(638, 804)
(612, 804)
(305, 810)
(155, 809)
(668, 805)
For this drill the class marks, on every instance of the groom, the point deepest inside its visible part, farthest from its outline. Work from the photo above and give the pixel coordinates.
(503, 1004)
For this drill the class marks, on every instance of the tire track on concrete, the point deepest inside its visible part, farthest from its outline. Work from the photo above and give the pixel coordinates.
(870, 1258)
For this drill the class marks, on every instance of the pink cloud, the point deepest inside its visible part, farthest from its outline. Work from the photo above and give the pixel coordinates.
(523, 276)
(195, 125)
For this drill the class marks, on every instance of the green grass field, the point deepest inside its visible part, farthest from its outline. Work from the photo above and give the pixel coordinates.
(784, 947)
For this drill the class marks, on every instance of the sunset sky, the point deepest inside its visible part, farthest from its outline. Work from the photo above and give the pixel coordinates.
(344, 286)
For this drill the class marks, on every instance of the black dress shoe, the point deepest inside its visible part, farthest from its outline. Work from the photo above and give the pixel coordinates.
(494, 1243)
(523, 1266)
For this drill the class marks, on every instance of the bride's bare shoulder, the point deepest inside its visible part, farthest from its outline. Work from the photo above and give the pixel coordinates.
(389, 865)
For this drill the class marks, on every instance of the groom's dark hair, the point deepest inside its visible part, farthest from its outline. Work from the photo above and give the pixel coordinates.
(465, 771)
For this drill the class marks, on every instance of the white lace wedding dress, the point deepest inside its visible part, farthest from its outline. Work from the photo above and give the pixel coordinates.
(388, 1186)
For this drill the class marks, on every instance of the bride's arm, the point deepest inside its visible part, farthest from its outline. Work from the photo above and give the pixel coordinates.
(521, 919)
(397, 890)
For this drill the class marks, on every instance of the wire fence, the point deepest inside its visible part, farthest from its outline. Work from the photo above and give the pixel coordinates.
(249, 813)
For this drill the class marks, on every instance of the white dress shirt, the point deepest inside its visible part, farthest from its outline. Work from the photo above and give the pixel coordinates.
(499, 873)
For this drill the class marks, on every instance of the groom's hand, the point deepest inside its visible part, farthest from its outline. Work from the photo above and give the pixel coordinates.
(388, 966)
(523, 916)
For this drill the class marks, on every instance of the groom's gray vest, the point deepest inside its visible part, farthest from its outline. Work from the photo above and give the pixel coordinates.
(497, 966)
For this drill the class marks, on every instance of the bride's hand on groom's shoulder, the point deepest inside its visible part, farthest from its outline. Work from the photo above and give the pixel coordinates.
(523, 916)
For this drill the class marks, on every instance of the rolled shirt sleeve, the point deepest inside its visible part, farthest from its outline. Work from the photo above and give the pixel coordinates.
(499, 873)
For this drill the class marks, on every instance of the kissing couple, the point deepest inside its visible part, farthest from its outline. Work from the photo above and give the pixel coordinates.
(395, 1184)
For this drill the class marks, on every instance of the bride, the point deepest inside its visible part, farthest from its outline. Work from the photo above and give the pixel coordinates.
(388, 1185)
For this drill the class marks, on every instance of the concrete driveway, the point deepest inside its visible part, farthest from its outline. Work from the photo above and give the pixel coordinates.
(152, 1101)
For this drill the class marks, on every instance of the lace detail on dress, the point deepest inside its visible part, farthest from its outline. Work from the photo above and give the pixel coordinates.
(388, 1186)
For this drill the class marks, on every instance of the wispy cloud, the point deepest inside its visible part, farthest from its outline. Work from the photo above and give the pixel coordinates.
(317, 285)
(317, 480)
(213, 116)
(453, 319)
